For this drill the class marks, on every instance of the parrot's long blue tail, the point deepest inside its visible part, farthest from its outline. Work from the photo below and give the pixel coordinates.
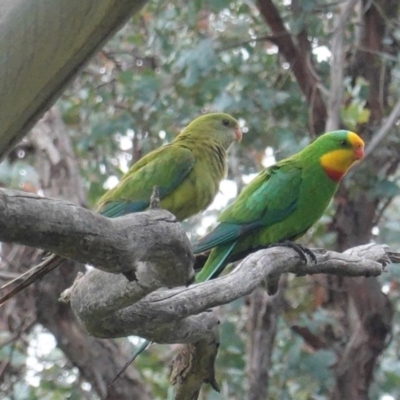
(138, 351)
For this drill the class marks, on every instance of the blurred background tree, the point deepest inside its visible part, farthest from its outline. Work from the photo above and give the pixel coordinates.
(289, 70)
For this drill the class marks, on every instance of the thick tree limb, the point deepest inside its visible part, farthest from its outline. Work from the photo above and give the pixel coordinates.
(43, 45)
(116, 245)
(155, 246)
(180, 315)
(177, 304)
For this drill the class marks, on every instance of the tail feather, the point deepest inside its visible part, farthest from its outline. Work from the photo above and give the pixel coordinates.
(138, 351)
(215, 263)
(31, 276)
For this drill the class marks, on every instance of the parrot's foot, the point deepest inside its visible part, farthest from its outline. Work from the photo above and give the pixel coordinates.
(301, 250)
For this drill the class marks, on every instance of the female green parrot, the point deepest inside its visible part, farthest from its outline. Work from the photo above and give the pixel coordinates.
(187, 172)
(282, 202)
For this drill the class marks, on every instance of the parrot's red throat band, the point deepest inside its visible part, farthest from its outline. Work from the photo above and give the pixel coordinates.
(334, 175)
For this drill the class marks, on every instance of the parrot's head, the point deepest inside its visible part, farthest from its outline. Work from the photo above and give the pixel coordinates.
(338, 151)
(218, 128)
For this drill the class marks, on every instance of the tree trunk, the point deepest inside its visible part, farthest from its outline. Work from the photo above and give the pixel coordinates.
(262, 326)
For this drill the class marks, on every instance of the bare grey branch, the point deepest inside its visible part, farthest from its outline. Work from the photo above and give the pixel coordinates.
(151, 244)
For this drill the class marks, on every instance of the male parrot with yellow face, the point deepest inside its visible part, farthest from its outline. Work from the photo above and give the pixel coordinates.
(282, 202)
(187, 172)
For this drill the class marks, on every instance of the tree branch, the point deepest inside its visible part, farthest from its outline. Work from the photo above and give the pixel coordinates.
(165, 306)
(180, 315)
(155, 246)
(151, 244)
(300, 63)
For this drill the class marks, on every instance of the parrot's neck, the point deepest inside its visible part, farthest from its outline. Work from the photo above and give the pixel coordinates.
(336, 176)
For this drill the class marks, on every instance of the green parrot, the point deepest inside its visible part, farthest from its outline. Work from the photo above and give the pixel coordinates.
(186, 171)
(281, 203)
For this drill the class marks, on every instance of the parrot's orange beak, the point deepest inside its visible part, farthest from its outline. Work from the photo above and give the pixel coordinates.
(358, 145)
(359, 151)
(238, 134)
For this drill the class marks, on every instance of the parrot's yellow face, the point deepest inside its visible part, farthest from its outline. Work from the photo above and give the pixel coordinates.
(337, 162)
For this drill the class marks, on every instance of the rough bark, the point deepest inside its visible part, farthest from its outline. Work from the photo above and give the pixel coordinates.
(43, 45)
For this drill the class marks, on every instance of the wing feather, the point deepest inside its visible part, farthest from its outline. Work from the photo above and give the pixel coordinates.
(166, 168)
(268, 199)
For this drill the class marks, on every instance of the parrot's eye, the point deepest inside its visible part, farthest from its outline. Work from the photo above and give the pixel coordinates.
(343, 143)
(225, 122)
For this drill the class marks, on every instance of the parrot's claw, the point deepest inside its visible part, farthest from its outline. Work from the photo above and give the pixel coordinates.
(306, 250)
(301, 250)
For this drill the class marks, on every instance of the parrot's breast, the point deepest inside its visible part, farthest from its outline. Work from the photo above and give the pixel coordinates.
(199, 188)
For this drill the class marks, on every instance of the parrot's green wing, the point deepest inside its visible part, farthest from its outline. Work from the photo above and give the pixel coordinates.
(270, 198)
(166, 168)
